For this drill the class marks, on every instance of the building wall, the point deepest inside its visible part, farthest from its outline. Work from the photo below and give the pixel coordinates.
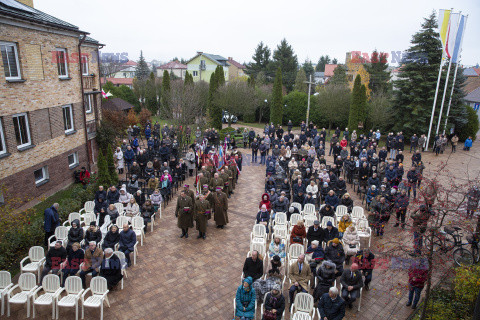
(180, 73)
(234, 72)
(42, 96)
(206, 74)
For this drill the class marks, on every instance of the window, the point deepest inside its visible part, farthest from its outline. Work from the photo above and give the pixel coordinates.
(3, 146)
(73, 160)
(41, 175)
(195, 73)
(22, 132)
(62, 63)
(11, 65)
(84, 65)
(68, 118)
(2, 199)
(88, 103)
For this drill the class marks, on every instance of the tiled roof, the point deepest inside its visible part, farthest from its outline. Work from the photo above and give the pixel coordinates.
(118, 81)
(470, 72)
(116, 104)
(236, 64)
(174, 64)
(214, 57)
(329, 68)
(477, 70)
(130, 63)
(471, 84)
(473, 96)
(18, 10)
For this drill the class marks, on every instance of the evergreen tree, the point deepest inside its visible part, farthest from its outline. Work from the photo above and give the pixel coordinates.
(141, 70)
(334, 61)
(300, 84)
(418, 79)
(309, 69)
(188, 79)
(339, 76)
(214, 111)
(220, 76)
(321, 63)
(276, 109)
(285, 59)
(166, 99)
(151, 100)
(111, 166)
(103, 173)
(261, 59)
(379, 76)
(358, 106)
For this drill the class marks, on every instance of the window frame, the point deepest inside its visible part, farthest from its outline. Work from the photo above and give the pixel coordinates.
(64, 62)
(17, 60)
(195, 73)
(45, 177)
(29, 136)
(88, 103)
(2, 139)
(75, 160)
(72, 129)
(84, 64)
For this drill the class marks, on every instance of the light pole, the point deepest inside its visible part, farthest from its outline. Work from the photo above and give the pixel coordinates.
(309, 90)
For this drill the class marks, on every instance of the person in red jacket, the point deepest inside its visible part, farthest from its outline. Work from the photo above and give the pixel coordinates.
(84, 177)
(417, 276)
(343, 143)
(265, 201)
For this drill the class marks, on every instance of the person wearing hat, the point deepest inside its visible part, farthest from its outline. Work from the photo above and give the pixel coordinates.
(245, 300)
(202, 211)
(351, 281)
(216, 182)
(314, 256)
(227, 185)
(184, 213)
(334, 252)
(93, 234)
(263, 217)
(315, 232)
(189, 192)
(220, 207)
(274, 303)
(325, 279)
(330, 232)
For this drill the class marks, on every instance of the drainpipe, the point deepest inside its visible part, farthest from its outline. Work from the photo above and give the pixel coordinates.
(97, 114)
(82, 92)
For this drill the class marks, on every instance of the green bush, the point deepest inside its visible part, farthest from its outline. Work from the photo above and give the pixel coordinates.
(223, 133)
(471, 128)
(296, 107)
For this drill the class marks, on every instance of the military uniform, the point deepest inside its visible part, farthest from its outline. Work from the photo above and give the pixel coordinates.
(227, 186)
(184, 213)
(216, 182)
(220, 207)
(202, 210)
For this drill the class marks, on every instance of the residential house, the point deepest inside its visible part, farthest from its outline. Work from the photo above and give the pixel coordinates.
(126, 70)
(473, 100)
(50, 100)
(329, 70)
(117, 82)
(173, 67)
(203, 65)
(319, 77)
(473, 79)
(235, 70)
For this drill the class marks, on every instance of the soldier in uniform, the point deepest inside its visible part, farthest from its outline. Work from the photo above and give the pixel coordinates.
(220, 207)
(206, 173)
(202, 211)
(189, 192)
(184, 213)
(227, 185)
(206, 192)
(202, 180)
(216, 182)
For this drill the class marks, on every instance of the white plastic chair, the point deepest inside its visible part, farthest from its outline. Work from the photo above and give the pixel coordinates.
(5, 285)
(280, 218)
(72, 216)
(340, 212)
(303, 303)
(309, 219)
(297, 205)
(235, 308)
(364, 230)
(309, 209)
(137, 226)
(36, 255)
(259, 231)
(281, 231)
(294, 218)
(326, 219)
(301, 316)
(27, 285)
(357, 213)
(120, 208)
(294, 251)
(51, 288)
(88, 207)
(263, 304)
(99, 290)
(121, 220)
(74, 290)
(61, 234)
(87, 218)
(123, 264)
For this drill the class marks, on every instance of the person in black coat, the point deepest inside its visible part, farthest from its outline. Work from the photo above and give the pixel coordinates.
(315, 232)
(93, 234)
(327, 211)
(111, 238)
(111, 269)
(330, 232)
(253, 266)
(325, 279)
(100, 193)
(75, 258)
(75, 233)
(99, 204)
(275, 301)
(55, 257)
(113, 195)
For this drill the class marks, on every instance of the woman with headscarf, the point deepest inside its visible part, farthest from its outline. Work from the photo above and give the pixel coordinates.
(112, 211)
(75, 234)
(263, 216)
(274, 304)
(111, 238)
(277, 248)
(265, 201)
(132, 209)
(245, 300)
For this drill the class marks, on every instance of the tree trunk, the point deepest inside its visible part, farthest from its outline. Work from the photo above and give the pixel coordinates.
(428, 289)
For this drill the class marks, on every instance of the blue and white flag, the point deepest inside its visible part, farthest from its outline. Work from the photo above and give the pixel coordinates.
(459, 39)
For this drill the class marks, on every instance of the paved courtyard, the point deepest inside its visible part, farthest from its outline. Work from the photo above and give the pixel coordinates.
(197, 279)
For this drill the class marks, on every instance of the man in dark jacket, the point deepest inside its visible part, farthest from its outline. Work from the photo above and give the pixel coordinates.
(254, 146)
(128, 239)
(315, 232)
(351, 281)
(111, 269)
(253, 266)
(401, 204)
(113, 195)
(101, 192)
(335, 253)
(365, 260)
(55, 257)
(331, 306)
(51, 221)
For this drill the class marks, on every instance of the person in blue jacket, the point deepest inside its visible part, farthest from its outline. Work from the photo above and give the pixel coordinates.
(468, 144)
(263, 216)
(128, 239)
(331, 306)
(129, 155)
(245, 300)
(51, 221)
(148, 132)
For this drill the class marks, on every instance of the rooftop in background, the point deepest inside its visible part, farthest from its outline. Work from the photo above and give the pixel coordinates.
(473, 96)
(235, 63)
(319, 74)
(470, 72)
(118, 81)
(130, 63)
(174, 64)
(116, 104)
(329, 68)
(213, 57)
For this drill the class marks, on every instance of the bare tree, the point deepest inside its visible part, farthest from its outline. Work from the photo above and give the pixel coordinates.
(108, 68)
(237, 97)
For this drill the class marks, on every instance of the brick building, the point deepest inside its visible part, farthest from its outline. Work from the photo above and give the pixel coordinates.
(49, 101)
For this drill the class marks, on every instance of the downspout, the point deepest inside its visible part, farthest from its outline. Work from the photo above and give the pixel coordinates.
(97, 118)
(82, 92)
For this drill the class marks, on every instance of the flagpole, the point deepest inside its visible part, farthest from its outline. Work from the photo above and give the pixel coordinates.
(435, 99)
(448, 77)
(455, 74)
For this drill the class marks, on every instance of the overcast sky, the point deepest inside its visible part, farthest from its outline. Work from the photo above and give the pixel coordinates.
(168, 29)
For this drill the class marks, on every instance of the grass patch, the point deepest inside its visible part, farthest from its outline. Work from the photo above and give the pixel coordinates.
(55, 198)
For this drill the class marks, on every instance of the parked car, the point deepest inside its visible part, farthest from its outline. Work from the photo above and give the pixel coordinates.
(226, 116)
